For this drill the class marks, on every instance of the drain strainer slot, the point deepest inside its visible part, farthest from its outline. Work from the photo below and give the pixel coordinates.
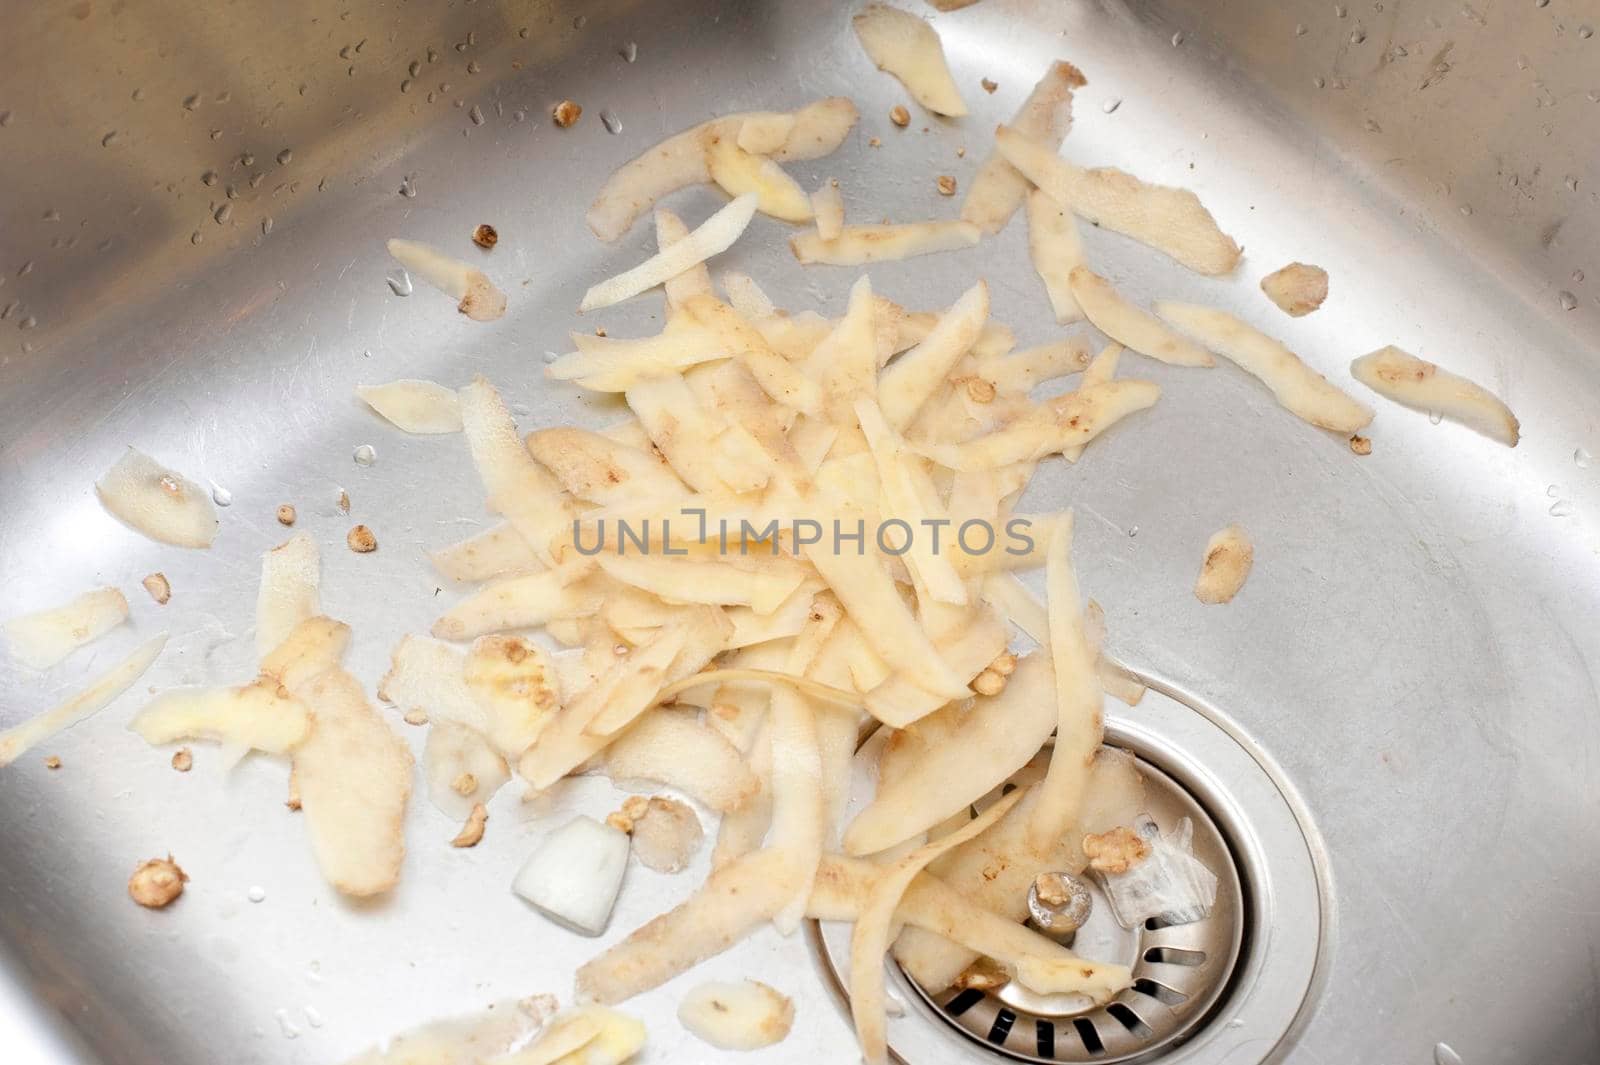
(1229, 987)
(1181, 971)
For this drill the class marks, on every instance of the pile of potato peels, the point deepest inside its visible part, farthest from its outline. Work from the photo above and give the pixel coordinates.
(703, 626)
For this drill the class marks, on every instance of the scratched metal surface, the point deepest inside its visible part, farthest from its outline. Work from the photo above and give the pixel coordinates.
(1415, 649)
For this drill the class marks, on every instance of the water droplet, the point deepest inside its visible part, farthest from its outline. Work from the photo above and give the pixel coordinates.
(223, 213)
(138, 94)
(476, 114)
(6, 311)
(611, 122)
(1358, 35)
(223, 498)
(216, 134)
(313, 1018)
(25, 269)
(52, 215)
(1572, 184)
(1372, 126)
(1177, 39)
(208, 178)
(405, 86)
(1577, 277)
(247, 159)
(1552, 490)
(1339, 10)
(433, 56)
(346, 52)
(191, 101)
(473, 67)
(1466, 209)
(1318, 82)
(1111, 104)
(1435, 417)
(196, 237)
(414, 69)
(255, 179)
(1582, 458)
(580, 22)
(29, 322)
(266, 226)
(461, 46)
(444, 86)
(285, 156)
(519, 115)
(523, 33)
(1541, 3)
(1568, 300)
(287, 1027)
(1133, 530)
(1299, 29)
(109, 139)
(401, 285)
(365, 455)
(550, 356)
(1585, 32)
(432, 97)
(1561, 508)
(232, 192)
(408, 184)
(630, 52)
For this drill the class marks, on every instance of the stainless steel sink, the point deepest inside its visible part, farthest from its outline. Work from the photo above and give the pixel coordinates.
(1411, 666)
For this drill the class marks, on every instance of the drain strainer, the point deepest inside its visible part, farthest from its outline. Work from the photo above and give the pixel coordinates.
(1227, 988)
(1180, 971)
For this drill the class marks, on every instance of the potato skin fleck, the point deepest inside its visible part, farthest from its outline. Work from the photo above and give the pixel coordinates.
(157, 883)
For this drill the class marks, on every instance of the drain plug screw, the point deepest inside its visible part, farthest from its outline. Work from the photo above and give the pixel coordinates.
(1059, 904)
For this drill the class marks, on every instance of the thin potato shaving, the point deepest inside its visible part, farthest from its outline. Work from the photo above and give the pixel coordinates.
(158, 502)
(415, 406)
(19, 739)
(907, 47)
(1056, 250)
(1300, 389)
(41, 639)
(1130, 326)
(477, 296)
(1420, 385)
(1167, 219)
(712, 237)
(1045, 116)
(856, 245)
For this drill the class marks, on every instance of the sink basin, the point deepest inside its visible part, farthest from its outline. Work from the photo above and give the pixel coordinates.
(192, 262)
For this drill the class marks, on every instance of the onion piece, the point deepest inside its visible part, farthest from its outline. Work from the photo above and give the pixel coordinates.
(461, 769)
(696, 280)
(996, 191)
(732, 903)
(291, 575)
(1229, 556)
(259, 716)
(713, 236)
(827, 206)
(574, 875)
(415, 406)
(856, 245)
(1412, 382)
(739, 172)
(354, 778)
(672, 748)
(907, 47)
(17, 740)
(478, 298)
(1055, 249)
(990, 742)
(869, 940)
(496, 551)
(158, 502)
(43, 638)
(1132, 326)
(1300, 389)
(907, 384)
(680, 160)
(1170, 220)
(747, 1015)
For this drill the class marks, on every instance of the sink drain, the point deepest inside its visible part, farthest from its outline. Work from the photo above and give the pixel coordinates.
(1229, 987)
(1180, 971)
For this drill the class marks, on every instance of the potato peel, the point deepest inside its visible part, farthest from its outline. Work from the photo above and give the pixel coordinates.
(1131, 326)
(996, 191)
(747, 1015)
(476, 296)
(858, 245)
(1229, 556)
(43, 638)
(424, 407)
(158, 502)
(712, 237)
(1411, 382)
(905, 46)
(19, 739)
